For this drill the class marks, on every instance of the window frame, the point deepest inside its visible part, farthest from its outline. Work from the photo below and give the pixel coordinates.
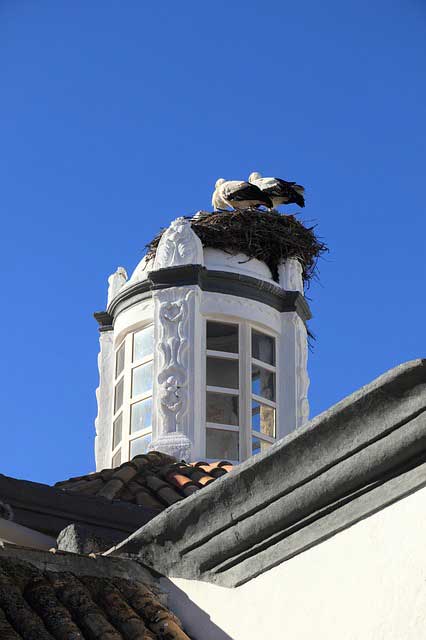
(244, 391)
(129, 400)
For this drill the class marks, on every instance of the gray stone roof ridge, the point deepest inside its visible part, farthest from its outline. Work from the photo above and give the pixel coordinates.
(366, 451)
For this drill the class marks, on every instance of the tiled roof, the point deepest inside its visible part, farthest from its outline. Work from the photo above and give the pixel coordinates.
(153, 480)
(43, 605)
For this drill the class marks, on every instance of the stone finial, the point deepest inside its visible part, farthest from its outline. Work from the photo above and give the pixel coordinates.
(116, 281)
(179, 245)
(290, 274)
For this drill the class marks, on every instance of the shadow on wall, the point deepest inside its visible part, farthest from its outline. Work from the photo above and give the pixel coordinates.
(196, 622)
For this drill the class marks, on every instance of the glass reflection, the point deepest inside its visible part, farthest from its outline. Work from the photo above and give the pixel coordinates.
(262, 382)
(141, 415)
(119, 361)
(221, 444)
(142, 379)
(140, 445)
(116, 460)
(222, 408)
(222, 373)
(222, 337)
(143, 344)
(118, 396)
(117, 431)
(258, 445)
(262, 347)
(263, 419)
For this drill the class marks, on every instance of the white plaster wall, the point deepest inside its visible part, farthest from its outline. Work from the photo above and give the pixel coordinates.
(218, 260)
(366, 583)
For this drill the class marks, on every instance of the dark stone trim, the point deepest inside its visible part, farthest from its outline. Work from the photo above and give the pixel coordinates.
(224, 282)
(358, 457)
(104, 320)
(50, 510)
(80, 565)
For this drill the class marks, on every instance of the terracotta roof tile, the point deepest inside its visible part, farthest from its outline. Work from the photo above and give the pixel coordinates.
(153, 480)
(46, 605)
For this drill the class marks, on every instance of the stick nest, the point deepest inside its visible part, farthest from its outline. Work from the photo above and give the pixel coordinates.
(266, 236)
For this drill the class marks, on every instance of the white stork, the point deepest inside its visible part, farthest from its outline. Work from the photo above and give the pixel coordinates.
(238, 194)
(279, 191)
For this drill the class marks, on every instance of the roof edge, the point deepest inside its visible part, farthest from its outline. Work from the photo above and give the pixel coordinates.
(364, 453)
(49, 509)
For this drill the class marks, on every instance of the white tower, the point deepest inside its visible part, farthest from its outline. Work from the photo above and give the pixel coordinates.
(202, 354)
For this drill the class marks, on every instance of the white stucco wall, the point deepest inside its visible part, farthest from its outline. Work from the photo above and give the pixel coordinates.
(366, 583)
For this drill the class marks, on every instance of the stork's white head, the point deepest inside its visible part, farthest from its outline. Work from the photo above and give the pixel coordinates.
(254, 176)
(219, 183)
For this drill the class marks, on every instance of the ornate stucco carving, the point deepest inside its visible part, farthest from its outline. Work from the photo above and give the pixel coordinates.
(179, 245)
(104, 394)
(290, 275)
(174, 370)
(175, 444)
(115, 282)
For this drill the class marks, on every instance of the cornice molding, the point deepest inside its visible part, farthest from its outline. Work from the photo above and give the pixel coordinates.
(224, 282)
(358, 457)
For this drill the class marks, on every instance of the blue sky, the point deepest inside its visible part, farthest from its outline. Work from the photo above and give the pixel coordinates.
(116, 117)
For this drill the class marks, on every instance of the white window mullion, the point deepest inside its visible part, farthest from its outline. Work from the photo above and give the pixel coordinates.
(264, 365)
(222, 427)
(245, 388)
(224, 355)
(127, 396)
(263, 400)
(226, 390)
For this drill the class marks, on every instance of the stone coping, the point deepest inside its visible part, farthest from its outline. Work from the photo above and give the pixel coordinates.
(48, 509)
(364, 453)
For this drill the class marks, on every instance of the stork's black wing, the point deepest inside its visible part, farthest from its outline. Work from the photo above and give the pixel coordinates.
(289, 191)
(248, 191)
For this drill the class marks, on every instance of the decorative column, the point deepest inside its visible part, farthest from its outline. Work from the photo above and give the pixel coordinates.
(293, 354)
(104, 397)
(115, 282)
(290, 275)
(177, 361)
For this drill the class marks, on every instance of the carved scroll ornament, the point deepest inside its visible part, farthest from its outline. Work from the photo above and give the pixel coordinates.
(173, 372)
(179, 245)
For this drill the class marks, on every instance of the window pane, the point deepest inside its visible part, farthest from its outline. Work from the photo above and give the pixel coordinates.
(262, 382)
(116, 461)
(118, 397)
(119, 361)
(222, 444)
(143, 343)
(222, 408)
(142, 379)
(140, 445)
(262, 347)
(116, 431)
(222, 337)
(141, 417)
(258, 445)
(222, 373)
(263, 419)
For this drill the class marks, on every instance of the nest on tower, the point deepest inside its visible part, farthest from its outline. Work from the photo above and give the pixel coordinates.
(266, 236)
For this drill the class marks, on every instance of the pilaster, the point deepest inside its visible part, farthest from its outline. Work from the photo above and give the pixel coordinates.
(104, 397)
(177, 366)
(294, 379)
